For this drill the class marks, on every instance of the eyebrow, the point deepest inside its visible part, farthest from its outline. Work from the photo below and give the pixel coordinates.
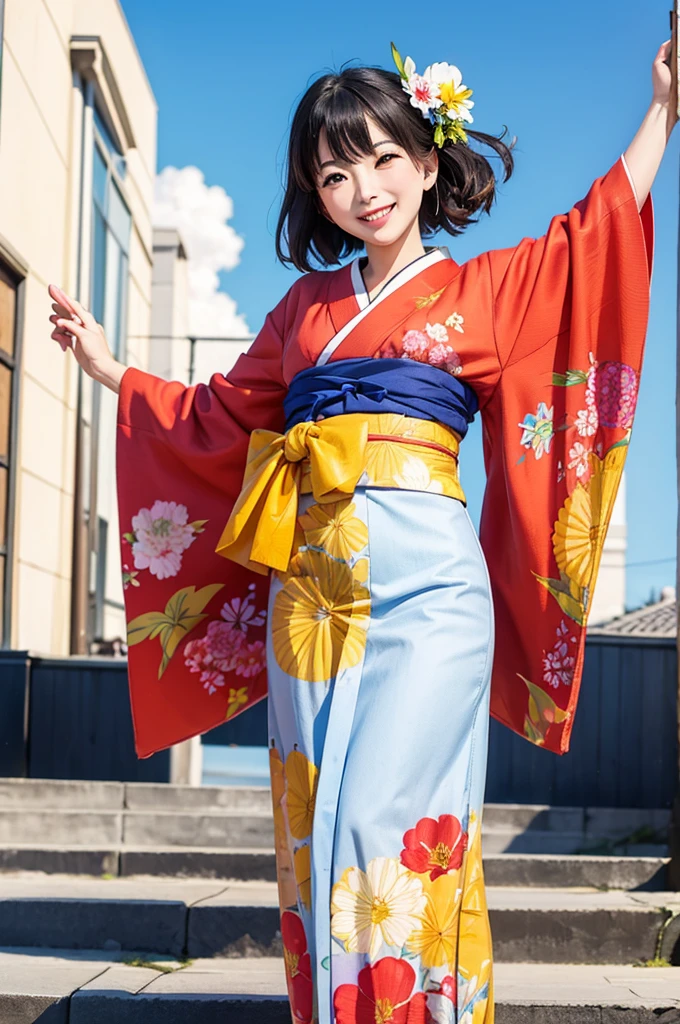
(383, 142)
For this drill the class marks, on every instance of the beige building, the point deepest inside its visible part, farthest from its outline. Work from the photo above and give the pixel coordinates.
(77, 167)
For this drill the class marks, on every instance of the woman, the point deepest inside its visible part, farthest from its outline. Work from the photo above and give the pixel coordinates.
(356, 591)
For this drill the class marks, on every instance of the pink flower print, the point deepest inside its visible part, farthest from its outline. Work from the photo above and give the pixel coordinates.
(241, 613)
(415, 345)
(612, 390)
(211, 681)
(224, 643)
(198, 658)
(161, 534)
(587, 421)
(579, 459)
(388, 351)
(437, 332)
(559, 663)
(251, 659)
(445, 358)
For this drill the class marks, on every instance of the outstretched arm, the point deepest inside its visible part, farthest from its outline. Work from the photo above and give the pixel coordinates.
(643, 156)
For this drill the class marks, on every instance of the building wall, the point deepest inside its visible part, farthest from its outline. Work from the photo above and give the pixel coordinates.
(170, 353)
(42, 113)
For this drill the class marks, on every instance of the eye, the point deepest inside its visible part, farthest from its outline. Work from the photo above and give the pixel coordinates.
(333, 179)
(387, 156)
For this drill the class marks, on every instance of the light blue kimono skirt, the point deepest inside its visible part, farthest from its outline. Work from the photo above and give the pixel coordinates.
(378, 769)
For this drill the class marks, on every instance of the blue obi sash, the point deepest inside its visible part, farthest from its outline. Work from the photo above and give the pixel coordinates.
(380, 386)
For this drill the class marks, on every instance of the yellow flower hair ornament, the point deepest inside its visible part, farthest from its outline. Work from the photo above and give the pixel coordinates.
(440, 96)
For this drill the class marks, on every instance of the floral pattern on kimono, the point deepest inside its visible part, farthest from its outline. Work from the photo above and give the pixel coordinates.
(550, 335)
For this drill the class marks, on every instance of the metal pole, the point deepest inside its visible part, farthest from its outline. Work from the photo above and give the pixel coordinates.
(674, 837)
(192, 359)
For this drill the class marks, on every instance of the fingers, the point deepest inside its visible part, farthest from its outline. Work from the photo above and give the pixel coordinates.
(71, 305)
(63, 324)
(64, 340)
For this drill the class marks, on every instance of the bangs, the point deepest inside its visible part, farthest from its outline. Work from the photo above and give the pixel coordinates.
(341, 105)
(341, 110)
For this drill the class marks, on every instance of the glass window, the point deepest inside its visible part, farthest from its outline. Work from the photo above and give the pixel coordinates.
(119, 217)
(100, 176)
(111, 227)
(109, 143)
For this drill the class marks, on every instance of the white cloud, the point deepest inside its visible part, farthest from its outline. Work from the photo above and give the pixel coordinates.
(201, 213)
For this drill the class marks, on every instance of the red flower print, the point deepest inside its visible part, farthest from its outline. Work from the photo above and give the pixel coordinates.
(383, 996)
(448, 987)
(298, 967)
(434, 846)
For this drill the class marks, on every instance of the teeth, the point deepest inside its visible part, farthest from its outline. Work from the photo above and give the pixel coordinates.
(375, 216)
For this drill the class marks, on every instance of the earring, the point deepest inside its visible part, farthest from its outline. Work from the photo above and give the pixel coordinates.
(436, 192)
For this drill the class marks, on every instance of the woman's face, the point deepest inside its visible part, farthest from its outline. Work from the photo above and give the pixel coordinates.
(378, 198)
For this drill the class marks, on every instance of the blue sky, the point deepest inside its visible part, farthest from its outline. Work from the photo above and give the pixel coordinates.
(572, 82)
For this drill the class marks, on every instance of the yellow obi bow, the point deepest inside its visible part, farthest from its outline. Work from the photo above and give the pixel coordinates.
(329, 458)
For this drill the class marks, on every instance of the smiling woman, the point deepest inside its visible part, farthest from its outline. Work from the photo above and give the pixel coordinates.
(357, 594)
(354, 154)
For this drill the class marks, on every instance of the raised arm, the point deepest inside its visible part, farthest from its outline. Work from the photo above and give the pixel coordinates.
(644, 154)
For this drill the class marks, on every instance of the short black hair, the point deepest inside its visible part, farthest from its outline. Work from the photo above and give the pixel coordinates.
(340, 103)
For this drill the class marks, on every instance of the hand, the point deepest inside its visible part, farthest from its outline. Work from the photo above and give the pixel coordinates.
(661, 75)
(77, 329)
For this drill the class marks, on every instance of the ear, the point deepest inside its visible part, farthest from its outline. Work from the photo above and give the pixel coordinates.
(430, 169)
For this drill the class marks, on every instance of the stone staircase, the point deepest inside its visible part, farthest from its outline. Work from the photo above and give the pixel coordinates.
(144, 903)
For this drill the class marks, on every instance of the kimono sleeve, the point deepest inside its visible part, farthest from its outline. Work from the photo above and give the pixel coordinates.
(570, 320)
(196, 638)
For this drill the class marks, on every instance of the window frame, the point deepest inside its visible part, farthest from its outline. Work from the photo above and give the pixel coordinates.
(113, 160)
(17, 270)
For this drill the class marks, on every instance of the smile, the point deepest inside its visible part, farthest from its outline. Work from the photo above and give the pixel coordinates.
(381, 214)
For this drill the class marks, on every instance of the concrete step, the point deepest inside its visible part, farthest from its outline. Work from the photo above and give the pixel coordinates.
(240, 828)
(51, 794)
(200, 918)
(249, 864)
(61, 987)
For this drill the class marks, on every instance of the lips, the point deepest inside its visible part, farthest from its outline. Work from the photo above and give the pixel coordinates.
(380, 213)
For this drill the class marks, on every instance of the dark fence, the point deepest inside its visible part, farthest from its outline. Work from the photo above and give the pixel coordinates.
(70, 719)
(624, 746)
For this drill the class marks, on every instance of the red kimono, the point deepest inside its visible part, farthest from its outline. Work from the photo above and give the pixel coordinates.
(550, 335)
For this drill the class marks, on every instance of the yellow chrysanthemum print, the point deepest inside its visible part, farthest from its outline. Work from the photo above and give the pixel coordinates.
(284, 861)
(436, 941)
(385, 461)
(301, 780)
(335, 528)
(303, 874)
(579, 532)
(382, 904)
(320, 618)
(475, 963)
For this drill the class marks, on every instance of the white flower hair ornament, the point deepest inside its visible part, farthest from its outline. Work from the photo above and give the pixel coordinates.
(440, 96)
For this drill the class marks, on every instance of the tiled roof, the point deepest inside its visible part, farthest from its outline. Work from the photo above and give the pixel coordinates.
(652, 620)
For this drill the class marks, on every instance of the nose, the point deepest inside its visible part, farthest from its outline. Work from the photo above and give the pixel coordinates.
(366, 187)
